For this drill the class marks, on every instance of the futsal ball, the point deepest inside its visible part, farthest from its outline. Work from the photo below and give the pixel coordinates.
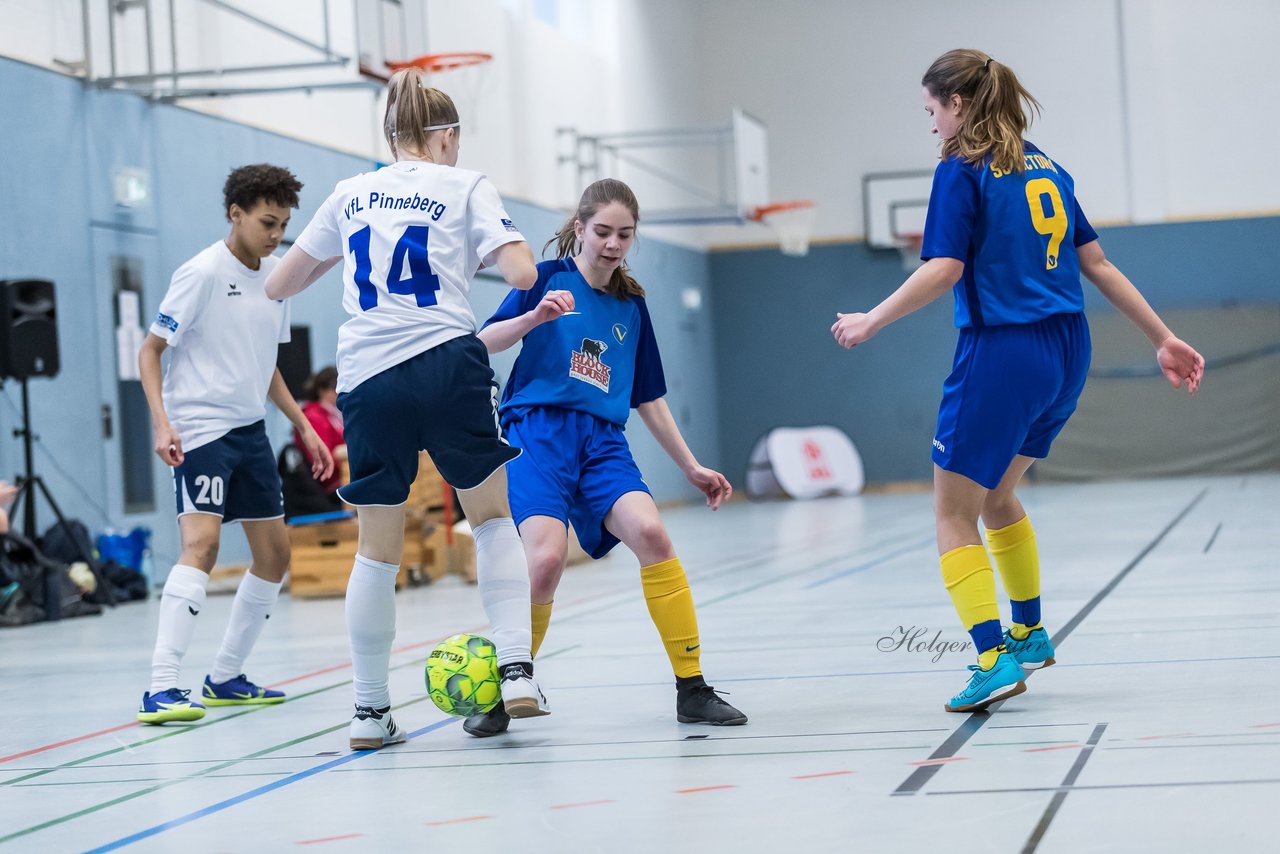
(462, 676)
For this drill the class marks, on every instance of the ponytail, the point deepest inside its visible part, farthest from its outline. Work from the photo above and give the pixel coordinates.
(997, 108)
(414, 112)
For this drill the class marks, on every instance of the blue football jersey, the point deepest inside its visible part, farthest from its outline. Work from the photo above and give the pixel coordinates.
(603, 361)
(1016, 233)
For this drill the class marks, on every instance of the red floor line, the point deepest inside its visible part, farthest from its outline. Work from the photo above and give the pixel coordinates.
(940, 761)
(1261, 726)
(583, 804)
(1172, 735)
(314, 673)
(458, 820)
(64, 743)
(702, 789)
(826, 774)
(1055, 747)
(328, 839)
(322, 671)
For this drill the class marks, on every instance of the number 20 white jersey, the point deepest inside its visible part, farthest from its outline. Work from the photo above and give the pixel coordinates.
(412, 236)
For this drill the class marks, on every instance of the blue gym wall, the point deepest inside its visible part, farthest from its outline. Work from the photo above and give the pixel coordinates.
(777, 364)
(59, 145)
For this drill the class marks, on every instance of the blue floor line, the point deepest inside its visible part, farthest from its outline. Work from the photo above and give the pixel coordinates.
(254, 793)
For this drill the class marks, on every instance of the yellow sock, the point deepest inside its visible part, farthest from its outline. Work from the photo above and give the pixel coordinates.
(987, 660)
(966, 571)
(541, 619)
(1016, 557)
(1021, 632)
(666, 592)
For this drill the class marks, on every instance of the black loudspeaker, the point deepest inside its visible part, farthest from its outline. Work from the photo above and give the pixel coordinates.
(28, 329)
(294, 360)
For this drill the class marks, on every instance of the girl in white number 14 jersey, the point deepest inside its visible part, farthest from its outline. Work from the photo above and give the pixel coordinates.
(413, 375)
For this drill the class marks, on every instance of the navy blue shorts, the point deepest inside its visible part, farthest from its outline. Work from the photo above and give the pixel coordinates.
(234, 477)
(1011, 390)
(574, 468)
(443, 401)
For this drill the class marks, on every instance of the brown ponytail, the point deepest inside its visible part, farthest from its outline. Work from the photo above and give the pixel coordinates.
(621, 283)
(997, 109)
(411, 109)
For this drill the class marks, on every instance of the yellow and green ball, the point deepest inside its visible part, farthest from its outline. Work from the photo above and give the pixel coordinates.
(462, 676)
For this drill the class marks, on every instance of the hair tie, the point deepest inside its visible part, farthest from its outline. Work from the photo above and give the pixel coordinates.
(987, 65)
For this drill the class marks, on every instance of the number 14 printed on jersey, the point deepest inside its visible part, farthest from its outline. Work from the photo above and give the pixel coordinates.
(422, 283)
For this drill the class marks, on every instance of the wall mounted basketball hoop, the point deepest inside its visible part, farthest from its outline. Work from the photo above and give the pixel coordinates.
(793, 223)
(433, 63)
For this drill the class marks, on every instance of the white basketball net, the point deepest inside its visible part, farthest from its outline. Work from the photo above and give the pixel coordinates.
(793, 223)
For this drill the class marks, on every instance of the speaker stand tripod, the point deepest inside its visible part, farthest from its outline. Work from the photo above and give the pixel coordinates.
(29, 485)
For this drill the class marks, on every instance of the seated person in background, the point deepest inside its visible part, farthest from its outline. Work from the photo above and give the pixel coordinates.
(7, 493)
(321, 409)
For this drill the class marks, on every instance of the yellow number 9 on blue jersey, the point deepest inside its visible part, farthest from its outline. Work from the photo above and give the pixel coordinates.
(1054, 225)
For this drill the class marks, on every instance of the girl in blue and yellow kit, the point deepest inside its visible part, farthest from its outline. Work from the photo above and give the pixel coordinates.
(589, 357)
(1005, 232)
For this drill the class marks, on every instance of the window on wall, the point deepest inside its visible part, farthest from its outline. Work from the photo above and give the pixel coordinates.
(576, 19)
(135, 418)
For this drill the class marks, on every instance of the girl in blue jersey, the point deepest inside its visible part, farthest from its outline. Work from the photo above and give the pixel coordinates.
(1004, 228)
(565, 405)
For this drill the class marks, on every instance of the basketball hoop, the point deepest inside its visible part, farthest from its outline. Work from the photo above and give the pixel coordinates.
(793, 223)
(909, 247)
(467, 71)
(433, 63)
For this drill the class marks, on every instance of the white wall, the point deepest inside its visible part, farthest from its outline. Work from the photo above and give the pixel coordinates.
(1162, 116)
(1160, 108)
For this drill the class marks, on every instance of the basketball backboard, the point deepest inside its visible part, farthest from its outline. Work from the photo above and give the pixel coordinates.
(698, 175)
(894, 205)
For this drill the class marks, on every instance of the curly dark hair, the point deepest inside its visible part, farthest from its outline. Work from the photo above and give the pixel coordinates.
(246, 185)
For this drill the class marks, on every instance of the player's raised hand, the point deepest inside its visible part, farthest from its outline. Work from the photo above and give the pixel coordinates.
(712, 484)
(168, 445)
(850, 330)
(321, 458)
(553, 305)
(1180, 363)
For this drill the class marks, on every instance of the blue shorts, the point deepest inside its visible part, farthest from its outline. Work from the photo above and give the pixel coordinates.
(443, 401)
(234, 476)
(574, 468)
(1011, 390)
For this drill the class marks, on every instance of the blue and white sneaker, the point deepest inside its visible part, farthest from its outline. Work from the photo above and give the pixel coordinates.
(238, 692)
(985, 687)
(1033, 653)
(170, 705)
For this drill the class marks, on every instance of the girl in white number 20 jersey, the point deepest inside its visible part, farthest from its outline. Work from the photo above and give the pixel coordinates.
(413, 375)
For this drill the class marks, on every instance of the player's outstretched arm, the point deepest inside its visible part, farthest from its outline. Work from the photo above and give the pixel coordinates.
(296, 272)
(515, 262)
(321, 459)
(505, 333)
(168, 445)
(658, 418)
(1177, 359)
(934, 278)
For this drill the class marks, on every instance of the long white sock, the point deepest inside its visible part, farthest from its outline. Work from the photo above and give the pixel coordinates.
(249, 614)
(180, 603)
(502, 573)
(371, 625)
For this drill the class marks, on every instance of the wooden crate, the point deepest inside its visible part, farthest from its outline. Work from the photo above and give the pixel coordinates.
(428, 490)
(442, 555)
(322, 558)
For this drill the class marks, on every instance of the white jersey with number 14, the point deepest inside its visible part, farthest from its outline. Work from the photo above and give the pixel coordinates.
(412, 236)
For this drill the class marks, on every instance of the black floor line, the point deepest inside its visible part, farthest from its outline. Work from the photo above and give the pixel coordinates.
(922, 775)
(1067, 782)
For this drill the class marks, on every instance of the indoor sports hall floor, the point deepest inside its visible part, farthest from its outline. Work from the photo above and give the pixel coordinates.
(1164, 708)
